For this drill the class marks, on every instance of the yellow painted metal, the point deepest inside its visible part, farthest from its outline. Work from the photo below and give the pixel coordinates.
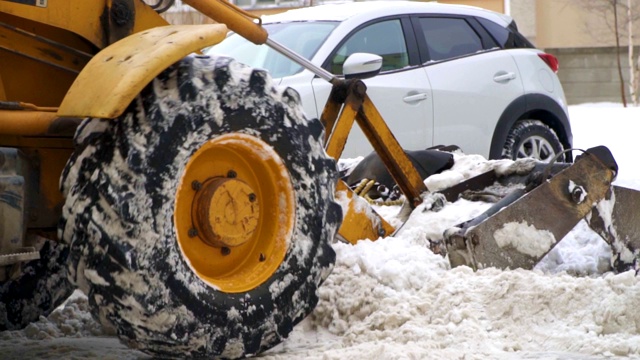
(85, 18)
(329, 116)
(24, 122)
(236, 19)
(3, 95)
(340, 132)
(391, 153)
(116, 75)
(51, 162)
(19, 42)
(25, 64)
(359, 221)
(357, 104)
(225, 212)
(55, 41)
(341, 129)
(254, 166)
(24, 80)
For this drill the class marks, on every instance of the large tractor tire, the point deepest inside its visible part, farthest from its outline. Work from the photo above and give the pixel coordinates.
(200, 221)
(34, 288)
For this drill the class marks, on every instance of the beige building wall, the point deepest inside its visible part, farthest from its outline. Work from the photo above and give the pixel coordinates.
(584, 43)
(524, 13)
(494, 5)
(563, 24)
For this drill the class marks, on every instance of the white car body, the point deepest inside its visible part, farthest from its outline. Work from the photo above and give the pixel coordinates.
(471, 100)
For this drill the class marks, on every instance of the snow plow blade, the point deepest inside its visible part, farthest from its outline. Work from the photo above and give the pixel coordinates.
(615, 218)
(544, 212)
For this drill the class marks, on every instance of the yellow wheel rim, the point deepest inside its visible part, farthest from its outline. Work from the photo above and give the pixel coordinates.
(234, 212)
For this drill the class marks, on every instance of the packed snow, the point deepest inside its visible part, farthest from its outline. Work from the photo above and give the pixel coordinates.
(395, 299)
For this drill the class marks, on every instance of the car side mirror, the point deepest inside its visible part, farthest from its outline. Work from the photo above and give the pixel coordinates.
(361, 66)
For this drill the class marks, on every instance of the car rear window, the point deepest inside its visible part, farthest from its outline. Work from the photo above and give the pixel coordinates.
(507, 38)
(449, 37)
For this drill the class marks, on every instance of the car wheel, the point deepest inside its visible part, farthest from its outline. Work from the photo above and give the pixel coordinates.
(532, 139)
(201, 220)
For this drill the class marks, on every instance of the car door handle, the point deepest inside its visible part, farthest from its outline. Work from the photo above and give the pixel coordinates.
(414, 98)
(504, 77)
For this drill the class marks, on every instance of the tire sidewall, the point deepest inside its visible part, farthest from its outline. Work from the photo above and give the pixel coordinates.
(149, 268)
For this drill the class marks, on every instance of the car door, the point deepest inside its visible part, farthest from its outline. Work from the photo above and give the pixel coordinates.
(401, 91)
(472, 80)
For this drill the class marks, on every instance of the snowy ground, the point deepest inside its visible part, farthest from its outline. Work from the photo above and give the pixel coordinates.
(394, 299)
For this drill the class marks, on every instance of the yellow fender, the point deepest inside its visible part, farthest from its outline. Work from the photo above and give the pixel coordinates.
(117, 74)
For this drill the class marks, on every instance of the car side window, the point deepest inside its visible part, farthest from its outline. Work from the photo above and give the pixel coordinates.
(384, 38)
(447, 38)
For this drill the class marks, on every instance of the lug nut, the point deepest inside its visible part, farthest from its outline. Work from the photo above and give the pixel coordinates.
(225, 251)
(252, 197)
(231, 174)
(193, 232)
(196, 185)
(262, 257)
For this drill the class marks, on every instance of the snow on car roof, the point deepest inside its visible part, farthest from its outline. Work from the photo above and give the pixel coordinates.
(375, 9)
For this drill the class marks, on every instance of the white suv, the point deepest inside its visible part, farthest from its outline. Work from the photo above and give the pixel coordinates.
(451, 75)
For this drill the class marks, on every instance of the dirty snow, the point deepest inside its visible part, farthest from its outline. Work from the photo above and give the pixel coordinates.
(395, 299)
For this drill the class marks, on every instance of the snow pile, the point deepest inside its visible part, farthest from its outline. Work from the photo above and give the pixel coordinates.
(71, 320)
(613, 126)
(395, 299)
(406, 298)
(69, 332)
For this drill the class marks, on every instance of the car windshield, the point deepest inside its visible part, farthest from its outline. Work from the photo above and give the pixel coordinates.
(302, 37)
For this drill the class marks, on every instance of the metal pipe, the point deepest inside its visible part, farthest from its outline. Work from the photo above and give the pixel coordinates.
(236, 19)
(322, 73)
(250, 27)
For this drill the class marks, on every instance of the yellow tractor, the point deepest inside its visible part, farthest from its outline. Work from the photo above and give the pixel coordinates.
(188, 197)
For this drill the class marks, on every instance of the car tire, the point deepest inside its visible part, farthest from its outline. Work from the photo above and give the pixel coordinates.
(532, 139)
(123, 220)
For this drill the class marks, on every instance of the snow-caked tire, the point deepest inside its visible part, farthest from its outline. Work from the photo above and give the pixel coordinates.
(39, 287)
(534, 139)
(127, 253)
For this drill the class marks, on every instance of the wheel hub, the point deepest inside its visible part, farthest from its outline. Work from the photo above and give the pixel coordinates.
(234, 212)
(538, 148)
(225, 212)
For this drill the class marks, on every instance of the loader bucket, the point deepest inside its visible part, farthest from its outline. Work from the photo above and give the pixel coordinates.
(615, 218)
(540, 217)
